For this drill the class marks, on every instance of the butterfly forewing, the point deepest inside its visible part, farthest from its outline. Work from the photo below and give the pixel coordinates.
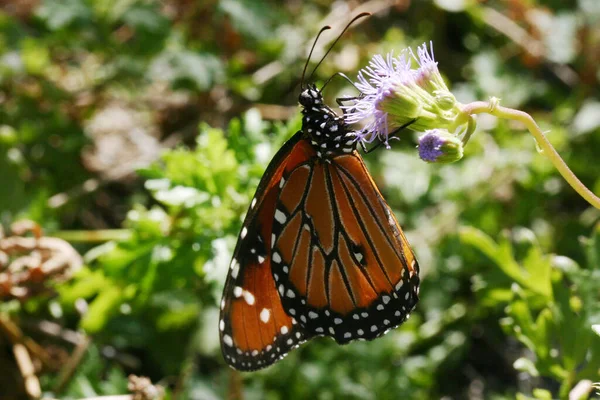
(340, 260)
(254, 328)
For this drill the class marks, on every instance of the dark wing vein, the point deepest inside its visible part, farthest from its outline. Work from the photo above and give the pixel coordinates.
(373, 211)
(363, 228)
(336, 227)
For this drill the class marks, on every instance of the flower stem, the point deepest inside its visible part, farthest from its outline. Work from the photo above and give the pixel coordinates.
(492, 107)
(471, 125)
(100, 235)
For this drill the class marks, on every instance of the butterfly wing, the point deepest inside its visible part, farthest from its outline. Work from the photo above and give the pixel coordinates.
(341, 262)
(255, 331)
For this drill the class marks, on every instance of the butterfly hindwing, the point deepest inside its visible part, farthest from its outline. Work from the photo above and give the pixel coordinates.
(341, 263)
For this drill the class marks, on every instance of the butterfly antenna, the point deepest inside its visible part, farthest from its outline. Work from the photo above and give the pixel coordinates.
(341, 74)
(359, 16)
(323, 29)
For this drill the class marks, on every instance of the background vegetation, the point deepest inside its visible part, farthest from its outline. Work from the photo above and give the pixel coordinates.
(137, 131)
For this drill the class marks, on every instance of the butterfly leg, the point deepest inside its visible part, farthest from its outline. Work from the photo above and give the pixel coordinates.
(340, 74)
(340, 100)
(392, 134)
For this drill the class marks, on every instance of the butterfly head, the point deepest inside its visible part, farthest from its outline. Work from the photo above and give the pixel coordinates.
(310, 98)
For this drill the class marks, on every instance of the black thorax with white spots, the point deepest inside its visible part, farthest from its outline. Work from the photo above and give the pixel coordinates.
(328, 132)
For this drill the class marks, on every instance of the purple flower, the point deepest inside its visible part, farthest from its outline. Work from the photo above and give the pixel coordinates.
(376, 83)
(440, 146)
(394, 94)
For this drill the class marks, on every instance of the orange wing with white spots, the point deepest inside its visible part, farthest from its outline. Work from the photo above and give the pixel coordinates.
(255, 330)
(341, 263)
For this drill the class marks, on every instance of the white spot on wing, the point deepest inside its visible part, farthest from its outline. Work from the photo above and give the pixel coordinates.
(261, 259)
(276, 257)
(249, 297)
(235, 268)
(237, 291)
(284, 330)
(244, 232)
(265, 314)
(228, 340)
(280, 217)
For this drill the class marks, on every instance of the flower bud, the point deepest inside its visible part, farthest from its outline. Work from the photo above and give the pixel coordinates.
(440, 146)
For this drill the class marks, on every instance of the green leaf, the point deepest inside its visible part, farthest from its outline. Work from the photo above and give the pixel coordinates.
(526, 365)
(102, 309)
(534, 274)
(86, 284)
(58, 14)
(542, 394)
(35, 55)
(249, 17)
(592, 247)
(188, 70)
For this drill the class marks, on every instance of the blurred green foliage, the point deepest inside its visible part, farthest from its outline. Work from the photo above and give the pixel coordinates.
(159, 117)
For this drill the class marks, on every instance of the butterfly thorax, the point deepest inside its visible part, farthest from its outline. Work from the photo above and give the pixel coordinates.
(328, 132)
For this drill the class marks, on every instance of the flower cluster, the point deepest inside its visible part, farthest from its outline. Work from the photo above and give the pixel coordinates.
(395, 94)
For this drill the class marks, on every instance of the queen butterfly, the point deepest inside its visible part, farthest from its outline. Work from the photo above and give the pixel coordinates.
(320, 252)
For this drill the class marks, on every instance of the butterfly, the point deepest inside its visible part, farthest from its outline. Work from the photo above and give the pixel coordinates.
(320, 252)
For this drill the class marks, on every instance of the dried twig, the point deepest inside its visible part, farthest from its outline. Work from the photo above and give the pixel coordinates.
(28, 263)
(15, 335)
(67, 371)
(143, 389)
(30, 379)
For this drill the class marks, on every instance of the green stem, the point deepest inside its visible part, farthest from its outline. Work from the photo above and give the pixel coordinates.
(566, 385)
(101, 235)
(471, 125)
(492, 107)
